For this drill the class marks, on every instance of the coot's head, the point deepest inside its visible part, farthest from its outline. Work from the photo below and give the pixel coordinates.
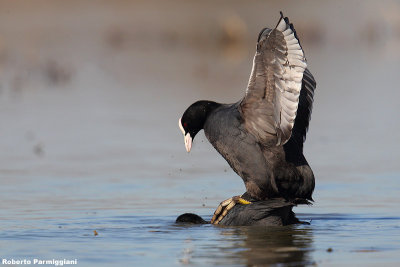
(193, 120)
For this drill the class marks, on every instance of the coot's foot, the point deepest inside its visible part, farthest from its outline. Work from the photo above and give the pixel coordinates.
(226, 206)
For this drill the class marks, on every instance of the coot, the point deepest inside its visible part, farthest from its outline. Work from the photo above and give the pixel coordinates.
(271, 212)
(261, 136)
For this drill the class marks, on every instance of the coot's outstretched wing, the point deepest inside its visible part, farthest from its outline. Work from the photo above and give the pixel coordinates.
(270, 105)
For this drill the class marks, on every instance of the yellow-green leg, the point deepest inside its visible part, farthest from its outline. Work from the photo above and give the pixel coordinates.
(226, 206)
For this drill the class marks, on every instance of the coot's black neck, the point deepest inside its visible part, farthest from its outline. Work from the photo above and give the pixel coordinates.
(204, 108)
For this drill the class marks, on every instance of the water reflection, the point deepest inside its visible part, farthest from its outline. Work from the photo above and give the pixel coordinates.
(260, 246)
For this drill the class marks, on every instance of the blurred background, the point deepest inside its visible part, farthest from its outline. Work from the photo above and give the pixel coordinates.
(91, 93)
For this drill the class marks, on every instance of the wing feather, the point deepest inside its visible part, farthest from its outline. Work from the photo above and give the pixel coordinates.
(304, 109)
(275, 84)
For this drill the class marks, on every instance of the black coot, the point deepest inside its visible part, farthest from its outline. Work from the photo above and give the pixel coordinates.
(271, 212)
(261, 136)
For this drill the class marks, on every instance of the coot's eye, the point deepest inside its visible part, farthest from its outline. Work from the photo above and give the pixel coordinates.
(185, 124)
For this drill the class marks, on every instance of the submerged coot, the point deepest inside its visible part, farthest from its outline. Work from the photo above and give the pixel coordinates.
(261, 136)
(271, 212)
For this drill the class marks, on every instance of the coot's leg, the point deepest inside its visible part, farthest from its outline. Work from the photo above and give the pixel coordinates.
(226, 206)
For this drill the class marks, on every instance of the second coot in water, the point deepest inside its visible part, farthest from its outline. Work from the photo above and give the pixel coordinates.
(271, 212)
(261, 136)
